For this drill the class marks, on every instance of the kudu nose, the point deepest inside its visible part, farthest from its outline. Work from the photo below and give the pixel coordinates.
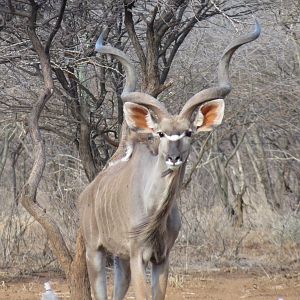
(174, 159)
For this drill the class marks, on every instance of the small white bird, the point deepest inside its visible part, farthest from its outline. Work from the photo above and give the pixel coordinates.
(49, 294)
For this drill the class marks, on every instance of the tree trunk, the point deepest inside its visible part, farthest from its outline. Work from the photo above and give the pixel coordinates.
(225, 184)
(4, 151)
(74, 268)
(261, 171)
(78, 280)
(239, 201)
(264, 171)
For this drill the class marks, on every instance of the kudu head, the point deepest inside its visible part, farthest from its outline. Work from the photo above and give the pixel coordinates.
(204, 111)
(174, 132)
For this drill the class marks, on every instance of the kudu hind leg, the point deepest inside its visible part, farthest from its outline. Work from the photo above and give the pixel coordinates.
(122, 276)
(96, 263)
(159, 281)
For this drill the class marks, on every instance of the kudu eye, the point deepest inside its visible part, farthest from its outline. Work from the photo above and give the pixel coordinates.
(188, 133)
(161, 134)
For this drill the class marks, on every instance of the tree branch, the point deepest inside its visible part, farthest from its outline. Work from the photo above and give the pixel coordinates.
(133, 36)
(56, 27)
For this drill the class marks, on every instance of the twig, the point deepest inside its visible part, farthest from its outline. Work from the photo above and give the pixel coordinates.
(201, 152)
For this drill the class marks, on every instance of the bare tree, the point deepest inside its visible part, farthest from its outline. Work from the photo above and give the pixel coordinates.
(85, 111)
(78, 285)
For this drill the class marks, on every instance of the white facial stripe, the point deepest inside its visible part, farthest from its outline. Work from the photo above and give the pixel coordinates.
(175, 137)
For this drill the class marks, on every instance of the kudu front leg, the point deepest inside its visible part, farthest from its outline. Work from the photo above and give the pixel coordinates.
(159, 281)
(138, 277)
(96, 263)
(122, 277)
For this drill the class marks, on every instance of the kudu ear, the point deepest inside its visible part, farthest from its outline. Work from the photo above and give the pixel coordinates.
(209, 115)
(138, 117)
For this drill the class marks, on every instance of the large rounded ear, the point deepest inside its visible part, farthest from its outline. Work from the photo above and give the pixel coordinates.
(138, 117)
(209, 115)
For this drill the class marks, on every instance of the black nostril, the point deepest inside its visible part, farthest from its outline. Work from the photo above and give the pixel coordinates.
(174, 158)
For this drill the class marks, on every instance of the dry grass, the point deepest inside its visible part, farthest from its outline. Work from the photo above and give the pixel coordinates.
(206, 242)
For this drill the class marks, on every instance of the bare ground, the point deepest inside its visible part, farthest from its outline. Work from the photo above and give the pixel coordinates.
(223, 285)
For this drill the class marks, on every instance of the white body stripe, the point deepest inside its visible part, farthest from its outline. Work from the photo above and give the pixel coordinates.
(127, 156)
(129, 152)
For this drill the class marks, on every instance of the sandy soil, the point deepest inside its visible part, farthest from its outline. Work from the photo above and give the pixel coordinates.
(211, 286)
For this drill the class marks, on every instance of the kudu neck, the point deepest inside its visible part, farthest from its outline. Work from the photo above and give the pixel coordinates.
(162, 184)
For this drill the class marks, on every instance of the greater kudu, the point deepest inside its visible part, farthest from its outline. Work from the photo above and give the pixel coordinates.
(129, 209)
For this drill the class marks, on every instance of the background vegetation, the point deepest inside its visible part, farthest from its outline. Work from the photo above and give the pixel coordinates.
(240, 203)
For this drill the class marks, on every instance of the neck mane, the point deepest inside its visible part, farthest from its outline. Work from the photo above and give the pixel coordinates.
(153, 225)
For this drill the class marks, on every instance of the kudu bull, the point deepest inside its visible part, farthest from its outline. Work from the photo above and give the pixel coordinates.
(129, 209)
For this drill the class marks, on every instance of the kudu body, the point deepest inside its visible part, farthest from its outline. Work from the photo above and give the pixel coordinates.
(130, 209)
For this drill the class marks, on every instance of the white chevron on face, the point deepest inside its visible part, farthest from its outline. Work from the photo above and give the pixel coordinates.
(175, 137)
